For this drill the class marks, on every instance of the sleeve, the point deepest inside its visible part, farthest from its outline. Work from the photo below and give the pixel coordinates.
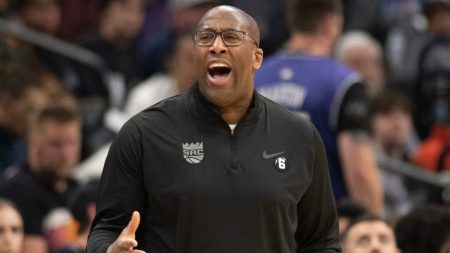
(318, 228)
(121, 189)
(354, 111)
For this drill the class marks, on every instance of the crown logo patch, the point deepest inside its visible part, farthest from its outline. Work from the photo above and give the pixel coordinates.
(193, 152)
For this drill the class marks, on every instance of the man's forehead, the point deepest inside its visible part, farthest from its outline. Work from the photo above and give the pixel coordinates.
(370, 227)
(222, 19)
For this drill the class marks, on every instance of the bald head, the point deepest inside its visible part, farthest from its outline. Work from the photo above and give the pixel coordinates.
(227, 13)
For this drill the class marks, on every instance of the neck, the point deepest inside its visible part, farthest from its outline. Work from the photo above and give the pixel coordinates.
(313, 44)
(232, 115)
(58, 184)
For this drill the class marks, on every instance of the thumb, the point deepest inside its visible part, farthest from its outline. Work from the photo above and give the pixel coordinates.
(133, 225)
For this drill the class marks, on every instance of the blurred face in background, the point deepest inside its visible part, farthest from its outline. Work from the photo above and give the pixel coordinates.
(17, 110)
(392, 129)
(370, 237)
(11, 230)
(122, 19)
(366, 61)
(42, 15)
(54, 148)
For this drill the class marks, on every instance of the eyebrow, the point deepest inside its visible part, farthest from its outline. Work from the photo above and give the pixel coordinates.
(209, 29)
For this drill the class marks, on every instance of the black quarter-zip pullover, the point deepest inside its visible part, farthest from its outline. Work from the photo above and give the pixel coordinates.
(201, 189)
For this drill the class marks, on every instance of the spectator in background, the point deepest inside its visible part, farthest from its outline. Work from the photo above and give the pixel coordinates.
(369, 234)
(184, 16)
(391, 124)
(43, 17)
(362, 53)
(348, 211)
(406, 36)
(82, 207)
(77, 18)
(392, 129)
(432, 87)
(119, 24)
(271, 17)
(20, 94)
(306, 80)
(11, 228)
(113, 41)
(424, 230)
(178, 78)
(418, 61)
(42, 187)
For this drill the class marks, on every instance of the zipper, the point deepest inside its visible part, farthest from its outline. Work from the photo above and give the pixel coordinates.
(234, 156)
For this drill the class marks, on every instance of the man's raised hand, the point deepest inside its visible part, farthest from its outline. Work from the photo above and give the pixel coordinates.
(126, 242)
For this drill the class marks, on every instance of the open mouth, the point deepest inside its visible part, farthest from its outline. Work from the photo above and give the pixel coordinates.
(219, 70)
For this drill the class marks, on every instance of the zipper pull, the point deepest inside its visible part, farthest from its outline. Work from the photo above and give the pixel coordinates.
(232, 127)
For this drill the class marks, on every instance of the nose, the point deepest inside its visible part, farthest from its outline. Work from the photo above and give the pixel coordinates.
(375, 246)
(218, 47)
(7, 239)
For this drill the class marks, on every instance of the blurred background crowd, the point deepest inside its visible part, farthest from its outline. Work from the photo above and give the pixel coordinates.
(73, 71)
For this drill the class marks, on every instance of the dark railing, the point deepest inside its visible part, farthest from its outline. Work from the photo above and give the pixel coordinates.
(440, 180)
(113, 80)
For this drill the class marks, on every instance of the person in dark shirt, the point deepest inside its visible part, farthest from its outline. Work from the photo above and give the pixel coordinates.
(106, 88)
(41, 189)
(20, 94)
(219, 168)
(119, 24)
(82, 207)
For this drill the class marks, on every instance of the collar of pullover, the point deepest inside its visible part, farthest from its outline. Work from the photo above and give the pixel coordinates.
(204, 109)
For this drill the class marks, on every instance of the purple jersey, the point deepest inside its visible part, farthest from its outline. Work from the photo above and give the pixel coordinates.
(312, 86)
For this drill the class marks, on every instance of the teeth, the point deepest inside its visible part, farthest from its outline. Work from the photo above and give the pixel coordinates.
(218, 65)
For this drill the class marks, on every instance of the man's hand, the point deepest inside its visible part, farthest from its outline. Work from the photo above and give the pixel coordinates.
(126, 241)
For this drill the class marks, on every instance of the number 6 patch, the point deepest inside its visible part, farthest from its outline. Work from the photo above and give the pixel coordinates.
(280, 163)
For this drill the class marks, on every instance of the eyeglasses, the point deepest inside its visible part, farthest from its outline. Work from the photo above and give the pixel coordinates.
(230, 38)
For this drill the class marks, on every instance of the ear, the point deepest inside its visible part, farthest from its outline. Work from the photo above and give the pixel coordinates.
(258, 58)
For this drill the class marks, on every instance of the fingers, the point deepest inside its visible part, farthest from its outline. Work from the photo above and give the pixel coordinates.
(126, 241)
(127, 244)
(122, 245)
(133, 225)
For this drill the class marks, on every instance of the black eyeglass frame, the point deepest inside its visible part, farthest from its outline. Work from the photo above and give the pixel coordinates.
(221, 35)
